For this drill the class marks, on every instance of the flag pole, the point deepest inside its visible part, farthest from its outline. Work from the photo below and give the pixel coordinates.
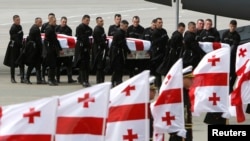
(177, 13)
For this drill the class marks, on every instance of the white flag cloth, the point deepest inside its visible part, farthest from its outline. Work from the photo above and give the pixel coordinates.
(158, 137)
(240, 96)
(168, 110)
(82, 114)
(128, 110)
(29, 121)
(210, 90)
(211, 46)
(242, 55)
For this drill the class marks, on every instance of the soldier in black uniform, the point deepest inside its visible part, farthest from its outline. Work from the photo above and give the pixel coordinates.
(63, 28)
(33, 51)
(50, 15)
(199, 28)
(14, 48)
(147, 34)
(209, 33)
(53, 48)
(158, 48)
(174, 50)
(232, 37)
(118, 53)
(44, 26)
(99, 50)
(82, 50)
(135, 30)
(114, 27)
(192, 53)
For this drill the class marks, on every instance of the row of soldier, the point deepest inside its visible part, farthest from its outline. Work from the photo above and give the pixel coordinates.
(163, 53)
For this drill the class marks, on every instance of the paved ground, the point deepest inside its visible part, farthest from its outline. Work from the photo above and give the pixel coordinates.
(74, 10)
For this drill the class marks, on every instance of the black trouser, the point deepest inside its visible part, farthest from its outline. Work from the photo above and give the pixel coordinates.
(38, 72)
(100, 76)
(12, 72)
(84, 72)
(67, 61)
(116, 77)
(174, 137)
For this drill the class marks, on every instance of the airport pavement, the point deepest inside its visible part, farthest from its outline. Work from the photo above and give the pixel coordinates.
(74, 10)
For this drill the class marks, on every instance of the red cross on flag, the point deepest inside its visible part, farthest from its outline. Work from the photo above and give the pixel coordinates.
(82, 114)
(29, 121)
(240, 96)
(210, 90)
(242, 55)
(128, 118)
(211, 46)
(167, 110)
(158, 137)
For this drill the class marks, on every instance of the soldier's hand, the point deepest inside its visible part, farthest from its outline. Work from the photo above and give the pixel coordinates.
(61, 52)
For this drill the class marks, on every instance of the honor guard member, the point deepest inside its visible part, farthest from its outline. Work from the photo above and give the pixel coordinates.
(44, 26)
(63, 28)
(199, 28)
(114, 27)
(99, 50)
(14, 48)
(50, 15)
(82, 50)
(135, 30)
(187, 82)
(33, 51)
(147, 34)
(192, 53)
(209, 33)
(118, 53)
(232, 37)
(53, 48)
(158, 48)
(173, 51)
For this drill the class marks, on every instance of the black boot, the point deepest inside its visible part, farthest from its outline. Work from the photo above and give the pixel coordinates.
(99, 76)
(43, 75)
(51, 78)
(21, 67)
(12, 73)
(85, 79)
(27, 80)
(39, 77)
(58, 75)
(70, 79)
(79, 78)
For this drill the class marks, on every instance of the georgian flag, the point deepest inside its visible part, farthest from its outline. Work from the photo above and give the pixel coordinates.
(158, 137)
(128, 118)
(167, 110)
(242, 55)
(240, 96)
(82, 114)
(133, 43)
(211, 46)
(210, 90)
(29, 121)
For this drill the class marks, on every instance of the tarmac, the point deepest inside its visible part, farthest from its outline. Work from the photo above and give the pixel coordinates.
(74, 10)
